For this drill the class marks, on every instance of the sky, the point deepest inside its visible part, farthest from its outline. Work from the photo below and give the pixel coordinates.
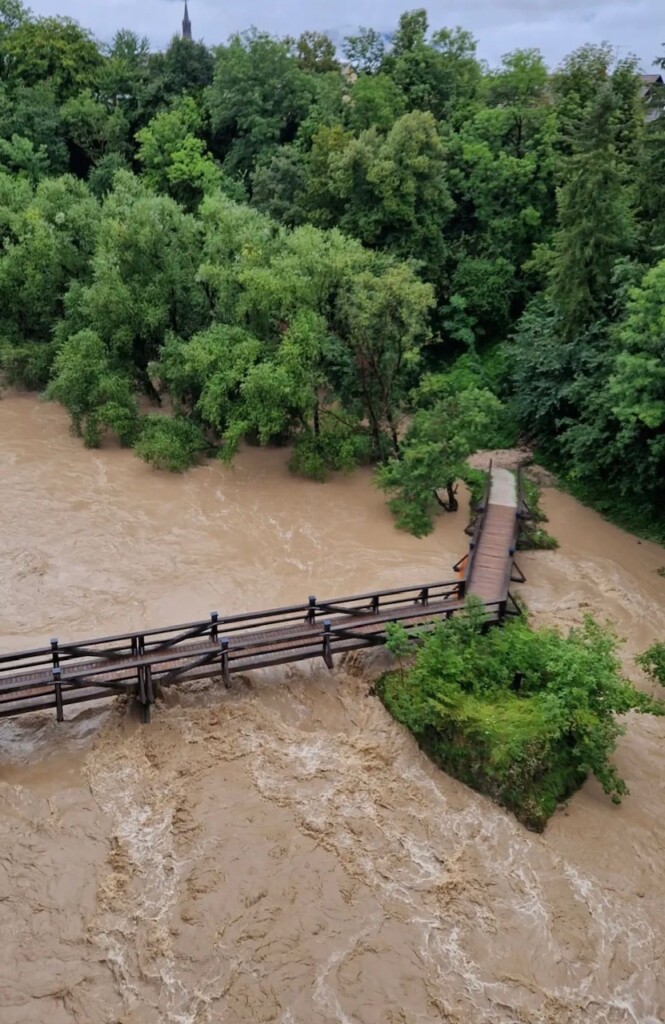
(554, 26)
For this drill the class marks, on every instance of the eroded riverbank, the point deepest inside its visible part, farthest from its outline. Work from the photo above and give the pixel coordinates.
(285, 853)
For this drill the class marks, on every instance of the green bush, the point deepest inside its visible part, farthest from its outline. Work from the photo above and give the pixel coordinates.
(173, 444)
(533, 536)
(653, 662)
(476, 481)
(98, 396)
(26, 364)
(522, 715)
(337, 447)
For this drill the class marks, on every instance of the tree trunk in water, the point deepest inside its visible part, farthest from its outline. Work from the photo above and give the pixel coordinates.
(149, 388)
(452, 504)
(375, 432)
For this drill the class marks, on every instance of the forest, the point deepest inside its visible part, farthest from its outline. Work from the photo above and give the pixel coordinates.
(384, 253)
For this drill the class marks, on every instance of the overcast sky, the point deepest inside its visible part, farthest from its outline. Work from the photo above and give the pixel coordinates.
(554, 26)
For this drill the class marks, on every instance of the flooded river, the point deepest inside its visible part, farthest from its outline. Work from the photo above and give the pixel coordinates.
(284, 853)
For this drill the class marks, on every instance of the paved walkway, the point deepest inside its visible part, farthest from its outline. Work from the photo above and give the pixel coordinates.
(504, 488)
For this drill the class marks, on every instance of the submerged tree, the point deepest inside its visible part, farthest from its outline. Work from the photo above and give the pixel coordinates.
(97, 395)
(432, 456)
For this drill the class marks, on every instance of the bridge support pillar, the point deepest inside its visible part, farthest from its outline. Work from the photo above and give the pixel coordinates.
(144, 692)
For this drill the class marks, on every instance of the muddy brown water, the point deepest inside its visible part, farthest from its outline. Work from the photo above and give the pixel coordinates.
(284, 853)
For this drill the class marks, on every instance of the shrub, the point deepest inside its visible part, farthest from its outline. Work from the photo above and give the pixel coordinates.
(26, 364)
(337, 447)
(97, 396)
(653, 662)
(173, 444)
(533, 536)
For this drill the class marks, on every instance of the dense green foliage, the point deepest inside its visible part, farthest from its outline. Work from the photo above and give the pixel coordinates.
(284, 239)
(172, 444)
(522, 715)
(433, 452)
(653, 662)
(533, 535)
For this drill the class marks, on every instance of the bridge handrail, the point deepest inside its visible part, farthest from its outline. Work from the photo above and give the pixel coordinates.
(478, 529)
(120, 645)
(237, 649)
(508, 572)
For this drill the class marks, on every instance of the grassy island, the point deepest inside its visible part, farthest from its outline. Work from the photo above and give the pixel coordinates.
(524, 715)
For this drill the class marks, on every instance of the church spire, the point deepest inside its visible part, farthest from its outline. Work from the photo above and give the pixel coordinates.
(186, 25)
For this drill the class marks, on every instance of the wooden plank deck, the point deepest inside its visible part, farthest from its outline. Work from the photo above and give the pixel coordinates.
(489, 573)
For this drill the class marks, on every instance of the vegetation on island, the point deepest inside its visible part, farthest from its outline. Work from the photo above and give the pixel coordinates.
(386, 254)
(524, 715)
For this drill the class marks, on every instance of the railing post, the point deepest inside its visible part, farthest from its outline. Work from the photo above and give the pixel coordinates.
(147, 679)
(138, 644)
(376, 600)
(214, 620)
(424, 597)
(58, 693)
(327, 653)
(226, 675)
(311, 611)
(55, 653)
(135, 651)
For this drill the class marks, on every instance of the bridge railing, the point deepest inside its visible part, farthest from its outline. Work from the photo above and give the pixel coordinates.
(167, 640)
(478, 530)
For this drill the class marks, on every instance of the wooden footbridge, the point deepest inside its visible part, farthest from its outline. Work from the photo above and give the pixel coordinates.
(141, 663)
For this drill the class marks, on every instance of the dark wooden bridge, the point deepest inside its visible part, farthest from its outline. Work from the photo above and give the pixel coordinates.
(141, 663)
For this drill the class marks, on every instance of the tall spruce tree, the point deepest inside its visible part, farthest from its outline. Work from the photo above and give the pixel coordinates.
(596, 223)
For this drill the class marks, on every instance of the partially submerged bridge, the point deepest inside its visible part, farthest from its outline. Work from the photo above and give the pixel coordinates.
(141, 663)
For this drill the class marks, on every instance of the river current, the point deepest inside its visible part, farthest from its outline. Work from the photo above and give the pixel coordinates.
(283, 852)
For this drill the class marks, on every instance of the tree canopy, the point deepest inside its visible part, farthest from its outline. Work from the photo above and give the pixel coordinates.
(283, 236)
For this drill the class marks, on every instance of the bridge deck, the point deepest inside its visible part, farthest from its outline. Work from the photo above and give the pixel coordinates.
(90, 680)
(494, 545)
(134, 663)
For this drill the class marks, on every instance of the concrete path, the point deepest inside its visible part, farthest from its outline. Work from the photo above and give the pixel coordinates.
(504, 488)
